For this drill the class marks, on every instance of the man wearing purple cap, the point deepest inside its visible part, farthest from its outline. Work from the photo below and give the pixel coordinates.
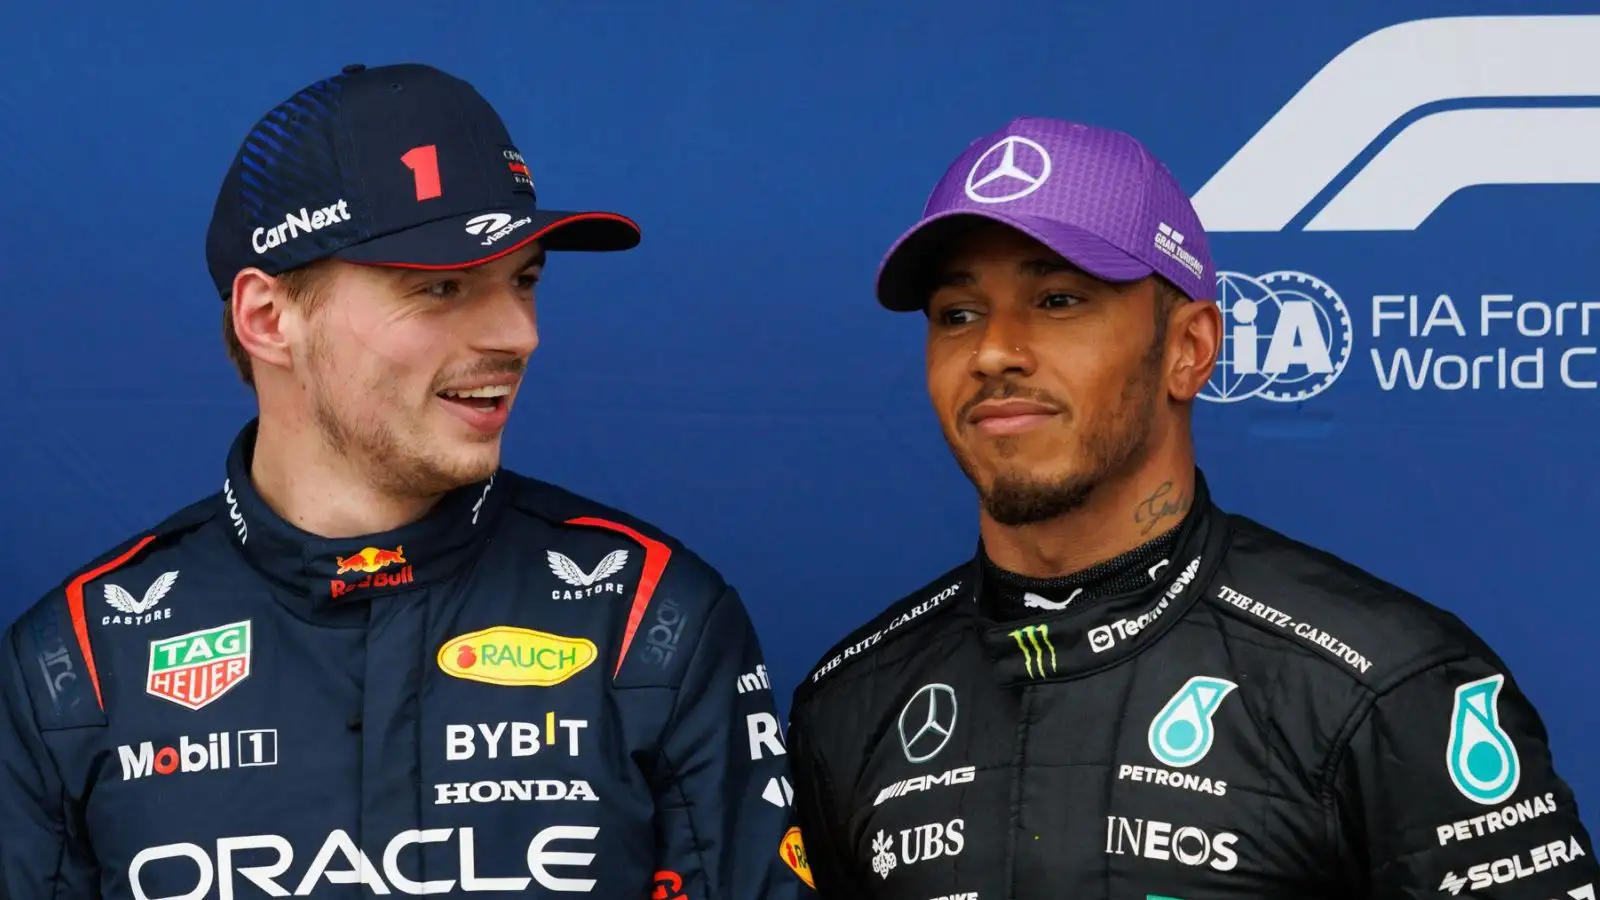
(1128, 691)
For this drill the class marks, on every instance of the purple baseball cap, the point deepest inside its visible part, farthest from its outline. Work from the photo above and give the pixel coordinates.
(1093, 195)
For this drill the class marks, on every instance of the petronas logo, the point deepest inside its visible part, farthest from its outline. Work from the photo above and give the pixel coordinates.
(1181, 734)
(1037, 651)
(1483, 762)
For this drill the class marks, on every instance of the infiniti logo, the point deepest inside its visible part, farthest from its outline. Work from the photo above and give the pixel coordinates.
(927, 721)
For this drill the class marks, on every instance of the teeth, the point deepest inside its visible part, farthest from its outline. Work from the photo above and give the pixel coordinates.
(496, 391)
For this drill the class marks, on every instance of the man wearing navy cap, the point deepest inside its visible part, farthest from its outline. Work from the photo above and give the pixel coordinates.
(1128, 691)
(375, 662)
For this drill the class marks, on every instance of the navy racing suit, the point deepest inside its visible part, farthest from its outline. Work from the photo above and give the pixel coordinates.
(523, 693)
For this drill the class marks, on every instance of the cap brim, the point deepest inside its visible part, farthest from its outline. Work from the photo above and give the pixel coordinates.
(449, 244)
(902, 278)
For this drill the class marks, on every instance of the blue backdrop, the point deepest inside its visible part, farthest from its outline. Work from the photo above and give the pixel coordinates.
(732, 378)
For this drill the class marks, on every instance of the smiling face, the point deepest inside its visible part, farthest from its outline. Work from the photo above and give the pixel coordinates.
(1047, 381)
(413, 373)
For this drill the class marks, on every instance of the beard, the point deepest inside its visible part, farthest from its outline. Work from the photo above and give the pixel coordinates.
(360, 426)
(1112, 442)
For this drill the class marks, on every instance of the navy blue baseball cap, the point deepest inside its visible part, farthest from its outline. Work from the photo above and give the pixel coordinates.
(404, 166)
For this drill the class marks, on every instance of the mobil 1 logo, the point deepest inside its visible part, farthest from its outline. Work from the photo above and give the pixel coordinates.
(214, 752)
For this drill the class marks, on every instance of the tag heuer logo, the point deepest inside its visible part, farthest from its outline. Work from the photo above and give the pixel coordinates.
(196, 668)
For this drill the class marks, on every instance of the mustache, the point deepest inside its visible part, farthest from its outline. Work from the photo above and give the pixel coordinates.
(1006, 390)
(489, 368)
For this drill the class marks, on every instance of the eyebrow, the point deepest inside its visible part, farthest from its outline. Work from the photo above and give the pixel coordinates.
(537, 260)
(1036, 268)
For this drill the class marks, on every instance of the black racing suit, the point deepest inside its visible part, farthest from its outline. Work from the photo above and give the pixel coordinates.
(523, 694)
(1261, 720)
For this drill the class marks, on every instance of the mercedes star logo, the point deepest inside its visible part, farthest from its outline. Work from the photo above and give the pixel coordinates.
(927, 721)
(1013, 168)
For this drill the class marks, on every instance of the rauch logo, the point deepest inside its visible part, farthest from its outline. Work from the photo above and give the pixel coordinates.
(516, 656)
(793, 852)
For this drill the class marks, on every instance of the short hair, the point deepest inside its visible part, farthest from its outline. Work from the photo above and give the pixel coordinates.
(1167, 297)
(305, 286)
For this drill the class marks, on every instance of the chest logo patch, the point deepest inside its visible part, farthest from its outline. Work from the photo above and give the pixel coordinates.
(1181, 733)
(926, 722)
(573, 574)
(1482, 759)
(586, 584)
(516, 657)
(194, 669)
(138, 610)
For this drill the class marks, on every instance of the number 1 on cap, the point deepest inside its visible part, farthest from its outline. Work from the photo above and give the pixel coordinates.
(424, 165)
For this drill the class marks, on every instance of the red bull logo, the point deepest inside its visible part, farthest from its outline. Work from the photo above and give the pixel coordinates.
(372, 561)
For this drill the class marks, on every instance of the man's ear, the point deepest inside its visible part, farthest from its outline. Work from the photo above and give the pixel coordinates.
(1194, 335)
(259, 304)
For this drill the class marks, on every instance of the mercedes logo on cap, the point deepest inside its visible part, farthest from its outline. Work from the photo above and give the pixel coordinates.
(1010, 170)
(927, 721)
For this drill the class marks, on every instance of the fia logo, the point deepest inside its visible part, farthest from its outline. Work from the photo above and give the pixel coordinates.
(1181, 733)
(1287, 337)
(1482, 760)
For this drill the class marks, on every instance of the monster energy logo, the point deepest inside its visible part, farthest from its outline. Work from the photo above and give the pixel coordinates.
(1034, 641)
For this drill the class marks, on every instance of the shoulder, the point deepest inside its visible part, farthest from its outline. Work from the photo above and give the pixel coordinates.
(586, 520)
(911, 615)
(55, 638)
(145, 548)
(1372, 630)
(669, 601)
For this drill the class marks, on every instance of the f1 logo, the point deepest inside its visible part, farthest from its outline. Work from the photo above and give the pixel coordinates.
(1333, 120)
